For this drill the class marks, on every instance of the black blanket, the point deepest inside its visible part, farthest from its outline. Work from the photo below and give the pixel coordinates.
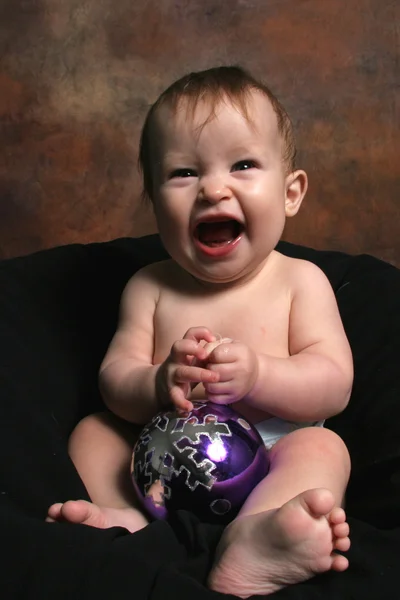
(58, 311)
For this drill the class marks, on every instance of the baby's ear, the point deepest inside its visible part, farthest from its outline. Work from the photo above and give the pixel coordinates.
(296, 187)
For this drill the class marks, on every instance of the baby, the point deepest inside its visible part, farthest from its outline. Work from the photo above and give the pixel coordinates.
(218, 160)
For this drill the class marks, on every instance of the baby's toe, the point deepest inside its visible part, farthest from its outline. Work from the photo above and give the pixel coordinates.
(339, 563)
(342, 544)
(341, 530)
(54, 512)
(337, 516)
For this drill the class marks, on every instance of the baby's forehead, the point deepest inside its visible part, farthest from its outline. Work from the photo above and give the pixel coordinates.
(254, 107)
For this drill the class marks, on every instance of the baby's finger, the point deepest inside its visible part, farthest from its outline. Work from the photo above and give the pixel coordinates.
(218, 388)
(189, 374)
(178, 399)
(185, 351)
(223, 353)
(199, 334)
(220, 398)
(225, 370)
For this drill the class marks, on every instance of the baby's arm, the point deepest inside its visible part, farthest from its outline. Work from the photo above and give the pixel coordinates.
(131, 385)
(127, 375)
(315, 381)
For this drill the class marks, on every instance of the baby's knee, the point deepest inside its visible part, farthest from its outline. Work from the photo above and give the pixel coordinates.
(99, 432)
(332, 446)
(316, 442)
(87, 430)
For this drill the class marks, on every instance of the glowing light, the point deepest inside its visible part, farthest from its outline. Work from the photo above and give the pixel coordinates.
(216, 451)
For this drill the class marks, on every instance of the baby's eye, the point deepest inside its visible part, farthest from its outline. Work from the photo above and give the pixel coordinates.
(244, 165)
(182, 173)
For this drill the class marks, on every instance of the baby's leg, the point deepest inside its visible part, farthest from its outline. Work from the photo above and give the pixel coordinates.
(292, 522)
(101, 449)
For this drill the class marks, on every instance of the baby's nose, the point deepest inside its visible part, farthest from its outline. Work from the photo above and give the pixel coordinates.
(214, 190)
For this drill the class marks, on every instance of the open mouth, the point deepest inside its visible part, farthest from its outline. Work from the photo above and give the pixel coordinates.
(215, 234)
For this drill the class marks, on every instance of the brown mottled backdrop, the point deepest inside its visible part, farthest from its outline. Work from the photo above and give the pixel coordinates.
(77, 76)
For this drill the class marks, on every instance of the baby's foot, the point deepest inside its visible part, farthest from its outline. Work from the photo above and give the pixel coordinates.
(260, 554)
(86, 513)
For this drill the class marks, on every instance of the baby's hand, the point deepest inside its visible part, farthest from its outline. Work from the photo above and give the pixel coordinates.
(237, 367)
(181, 370)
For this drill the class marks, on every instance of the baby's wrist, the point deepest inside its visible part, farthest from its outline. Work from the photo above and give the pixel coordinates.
(256, 393)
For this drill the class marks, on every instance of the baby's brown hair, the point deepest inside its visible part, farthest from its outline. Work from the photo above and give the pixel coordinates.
(214, 85)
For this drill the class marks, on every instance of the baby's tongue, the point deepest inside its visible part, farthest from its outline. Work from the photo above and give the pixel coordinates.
(217, 233)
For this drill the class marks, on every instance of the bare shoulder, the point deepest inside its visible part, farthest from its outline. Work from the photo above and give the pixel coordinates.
(134, 337)
(149, 279)
(303, 275)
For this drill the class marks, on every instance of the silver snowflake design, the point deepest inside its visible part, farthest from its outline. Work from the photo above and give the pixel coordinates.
(170, 445)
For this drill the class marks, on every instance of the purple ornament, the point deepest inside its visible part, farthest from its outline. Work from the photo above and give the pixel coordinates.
(207, 462)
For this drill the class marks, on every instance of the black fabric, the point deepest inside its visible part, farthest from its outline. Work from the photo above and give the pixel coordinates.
(58, 311)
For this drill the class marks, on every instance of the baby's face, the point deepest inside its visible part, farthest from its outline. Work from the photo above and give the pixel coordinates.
(220, 188)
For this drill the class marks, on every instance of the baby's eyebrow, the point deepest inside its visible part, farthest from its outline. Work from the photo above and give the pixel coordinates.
(173, 160)
(176, 156)
(246, 146)
(242, 148)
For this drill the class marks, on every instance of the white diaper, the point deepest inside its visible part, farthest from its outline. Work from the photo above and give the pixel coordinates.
(272, 430)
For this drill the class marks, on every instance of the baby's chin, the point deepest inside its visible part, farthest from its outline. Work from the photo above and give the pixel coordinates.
(222, 275)
(221, 282)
